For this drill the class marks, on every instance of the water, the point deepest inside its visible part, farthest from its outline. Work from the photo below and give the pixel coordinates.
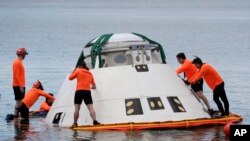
(54, 32)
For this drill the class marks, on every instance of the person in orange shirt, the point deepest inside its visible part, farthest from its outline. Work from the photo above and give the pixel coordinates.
(45, 105)
(214, 81)
(189, 71)
(31, 97)
(84, 81)
(18, 82)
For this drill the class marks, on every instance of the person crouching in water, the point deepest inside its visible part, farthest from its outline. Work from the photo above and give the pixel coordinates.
(84, 81)
(45, 105)
(214, 81)
(30, 98)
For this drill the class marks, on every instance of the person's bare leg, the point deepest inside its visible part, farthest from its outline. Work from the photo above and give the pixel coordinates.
(204, 98)
(17, 107)
(91, 111)
(76, 113)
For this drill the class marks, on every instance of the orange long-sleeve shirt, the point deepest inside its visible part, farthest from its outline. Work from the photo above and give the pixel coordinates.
(210, 75)
(18, 73)
(32, 95)
(188, 68)
(44, 106)
(84, 79)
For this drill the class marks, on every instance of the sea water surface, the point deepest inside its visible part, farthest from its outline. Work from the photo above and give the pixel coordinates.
(55, 31)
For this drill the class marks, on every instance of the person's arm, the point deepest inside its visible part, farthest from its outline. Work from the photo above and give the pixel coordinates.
(197, 76)
(73, 75)
(22, 77)
(193, 76)
(93, 83)
(42, 93)
(180, 69)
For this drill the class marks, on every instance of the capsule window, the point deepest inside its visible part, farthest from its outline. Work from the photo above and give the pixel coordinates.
(141, 68)
(57, 118)
(155, 103)
(176, 104)
(120, 59)
(133, 107)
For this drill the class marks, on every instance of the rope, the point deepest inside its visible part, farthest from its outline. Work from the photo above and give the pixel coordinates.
(93, 50)
(97, 49)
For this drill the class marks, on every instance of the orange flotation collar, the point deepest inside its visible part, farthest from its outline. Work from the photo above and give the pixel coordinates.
(163, 125)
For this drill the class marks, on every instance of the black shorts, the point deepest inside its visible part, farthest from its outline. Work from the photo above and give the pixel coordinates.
(198, 86)
(17, 92)
(24, 110)
(83, 95)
